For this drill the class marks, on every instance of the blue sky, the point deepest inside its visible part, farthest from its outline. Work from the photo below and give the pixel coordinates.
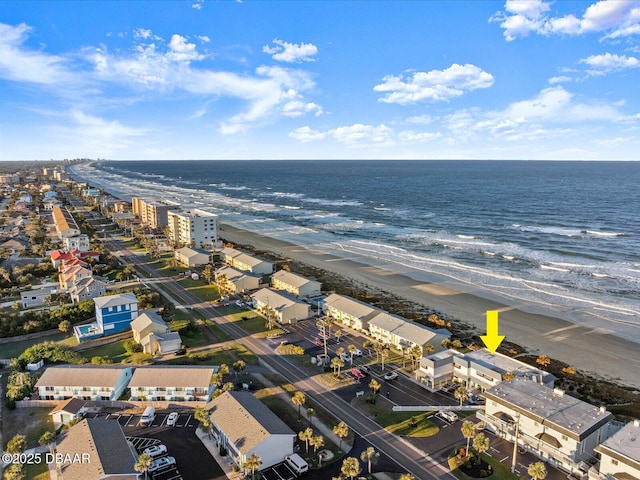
(205, 79)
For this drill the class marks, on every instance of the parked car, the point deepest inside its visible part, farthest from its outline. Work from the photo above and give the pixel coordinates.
(172, 418)
(357, 353)
(239, 303)
(180, 351)
(364, 369)
(345, 357)
(318, 341)
(390, 376)
(156, 450)
(357, 373)
(449, 416)
(162, 462)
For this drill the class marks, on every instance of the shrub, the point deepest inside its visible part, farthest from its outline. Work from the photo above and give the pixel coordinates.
(131, 346)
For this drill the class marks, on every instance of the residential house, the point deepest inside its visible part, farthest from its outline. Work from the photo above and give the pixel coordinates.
(39, 296)
(349, 311)
(14, 246)
(193, 228)
(70, 274)
(86, 382)
(296, 284)
(155, 336)
(235, 281)
(114, 314)
(191, 258)
(173, 383)
(402, 333)
(243, 261)
(59, 256)
(64, 222)
(619, 455)
(243, 425)
(71, 409)
(476, 369)
(52, 203)
(285, 308)
(87, 288)
(554, 426)
(96, 449)
(77, 242)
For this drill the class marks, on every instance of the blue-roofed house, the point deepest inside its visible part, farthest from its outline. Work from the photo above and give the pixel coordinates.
(114, 314)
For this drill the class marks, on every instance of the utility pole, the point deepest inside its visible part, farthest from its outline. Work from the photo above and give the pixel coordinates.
(515, 445)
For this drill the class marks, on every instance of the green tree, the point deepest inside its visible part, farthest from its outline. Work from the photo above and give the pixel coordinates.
(317, 442)
(306, 435)
(416, 354)
(537, 471)
(47, 438)
(208, 273)
(17, 444)
(14, 472)
(374, 385)
(481, 443)
(310, 413)
(543, 361)
(371, 456)
(351, 467)
(299, 399)
(337, 363)
(342, 431)
(143, 464)
(338, 334)
(352, 350)
(64, 326)
(368, 344)
(239, 366)
(468, 431)
(461, 394)
(202, 415)
(252, 464)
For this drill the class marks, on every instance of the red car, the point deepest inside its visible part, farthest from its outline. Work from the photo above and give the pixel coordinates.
(318, 341)
(357, 373)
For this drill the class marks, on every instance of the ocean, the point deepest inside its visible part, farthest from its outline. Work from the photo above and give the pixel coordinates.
(560, 237)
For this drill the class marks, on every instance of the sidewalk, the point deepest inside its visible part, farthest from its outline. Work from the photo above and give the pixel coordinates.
(225, 463)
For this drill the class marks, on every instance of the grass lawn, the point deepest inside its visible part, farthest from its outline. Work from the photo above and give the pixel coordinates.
(14, 349)
(201, 289)
(191, 338)
(37, 472)
(31, 422)
(115, 351)
(255, 325)
(398, 423)
(500, 471)
(217, 331)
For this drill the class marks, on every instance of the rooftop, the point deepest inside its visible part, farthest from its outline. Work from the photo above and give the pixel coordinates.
(403, 328)
(290, 278)
(245, 420)
(625, 443)
(146, 318)
(115, 300)
(173, 376)
(502, 363)
(276, 299)
(80, 376)
(548, 406)
(349, 305)
(232, 274)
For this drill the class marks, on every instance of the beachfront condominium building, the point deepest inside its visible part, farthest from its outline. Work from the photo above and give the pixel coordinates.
(476, 369)
(284, 307)
(193, 228)
(554, 426)
(298, 285)
(231, 280)
(87, 382)
(243, 425)
(151, 213)
(349, 311)
(243, 261)
(173, 383)
(402, 333)
(619, 455)
(190, 257)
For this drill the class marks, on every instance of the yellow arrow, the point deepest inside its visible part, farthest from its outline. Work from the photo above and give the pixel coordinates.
(492, 340)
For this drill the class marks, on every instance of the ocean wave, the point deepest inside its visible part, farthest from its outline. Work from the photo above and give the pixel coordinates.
(550, 230)
(555, 269)
(332, 203)
(604, 234)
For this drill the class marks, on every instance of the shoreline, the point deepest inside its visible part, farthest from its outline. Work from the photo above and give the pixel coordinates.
(587, 349)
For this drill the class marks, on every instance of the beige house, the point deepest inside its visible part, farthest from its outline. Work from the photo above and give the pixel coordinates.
(402, 333)
(619, 455)
(87, 288)
(554, 426)
(150, 331)
(236, 281)
(296, 284)
(71, 409)
(191, 258)
(244, 425)
(243, 261)
(173, 383)
(349, 311)
(286, 308)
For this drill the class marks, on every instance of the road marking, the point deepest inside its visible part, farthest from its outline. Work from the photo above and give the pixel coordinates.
(505, 458)
(128, 420)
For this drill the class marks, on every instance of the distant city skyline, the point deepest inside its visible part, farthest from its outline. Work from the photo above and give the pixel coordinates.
(203, 79)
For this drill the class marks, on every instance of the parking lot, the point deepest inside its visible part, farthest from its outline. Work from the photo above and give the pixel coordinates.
(278, 472)
(193, 460)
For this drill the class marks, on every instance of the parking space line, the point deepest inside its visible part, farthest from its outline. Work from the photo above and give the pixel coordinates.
(128, 420)
(505, 458)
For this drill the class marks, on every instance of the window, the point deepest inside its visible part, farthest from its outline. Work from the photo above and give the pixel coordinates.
(564, 437)
(614, 461)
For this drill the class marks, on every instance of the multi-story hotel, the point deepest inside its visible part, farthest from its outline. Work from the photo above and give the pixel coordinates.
(192, 228)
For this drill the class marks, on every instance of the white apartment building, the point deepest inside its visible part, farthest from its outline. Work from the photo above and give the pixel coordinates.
(173, 383)
(298, 285)
(554, 426)
(349, 311)
(193, 228)
(235, 281)
(286, 308)
(619, 455)
(402, 333)
(243, 261)
(77, 242)
(60, 382)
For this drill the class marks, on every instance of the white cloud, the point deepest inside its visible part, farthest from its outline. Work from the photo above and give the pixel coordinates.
(20, 64)
(359, 134)
(197, 5)
(204, 38)
(421, 119)
(145, 34)
(615, 17)
(559, 79)
(435, 85)
(409, 136)
(296, 108)
(306, 134)
(607, 63)
(291, 52)
(181, 50)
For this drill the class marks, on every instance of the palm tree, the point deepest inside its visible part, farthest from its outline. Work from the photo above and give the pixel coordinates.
(337, 363)
(202, 415)
(342, 431)
(374, 385)
(543, 361)
(239, 366)
(317, 442)
(384, 353)
(481, 443)
(351, 467)
(428, 348)
(508, 376)
(352, 350)
(306, 435)
(468, 431)
(143, 464)
(310, 413)
(537, 471)
(416, 355)
(368, 344)
(299, 399)
(370, 455)
(47, 438)
(338, 334)
(252, 463)
(461, 394)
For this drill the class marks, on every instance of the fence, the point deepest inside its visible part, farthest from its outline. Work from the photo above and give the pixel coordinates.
(121, 405)
(435, 408)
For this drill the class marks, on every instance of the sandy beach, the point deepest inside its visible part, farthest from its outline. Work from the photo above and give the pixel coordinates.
(586, 349)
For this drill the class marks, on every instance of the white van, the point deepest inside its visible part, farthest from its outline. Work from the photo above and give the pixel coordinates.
(449, 415)
(148, 416)
(297, 463)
